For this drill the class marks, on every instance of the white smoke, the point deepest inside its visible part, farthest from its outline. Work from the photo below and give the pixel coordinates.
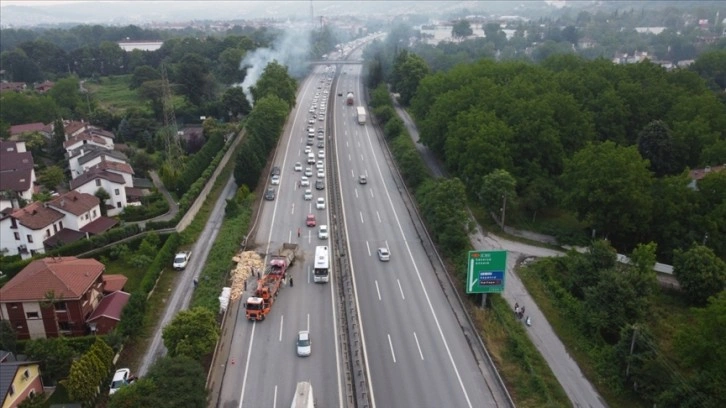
(291, 49)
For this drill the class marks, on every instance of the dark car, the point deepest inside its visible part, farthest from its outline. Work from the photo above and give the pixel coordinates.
(319, 184)
(309, 142)
(321, 144)
(276, 171)
(270, 194)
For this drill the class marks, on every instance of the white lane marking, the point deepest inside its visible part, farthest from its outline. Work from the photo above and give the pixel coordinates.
(361, 218)
(350, 158)
(379, 216)
(274, 398)
(282, 321)
(418, 345)
(247, 364)
(418, 274)
(393, 353)
(292, 209)
(378, 290)
(356, 193)
(401, 289)
(308, 322)
(368, 246)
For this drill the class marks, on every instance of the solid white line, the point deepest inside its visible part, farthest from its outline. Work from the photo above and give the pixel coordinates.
(401, 289)
(418, 345)
(274, 398)
(378, 290)
(393, 353)
(247, 364)
(282, 320)
(418, 274)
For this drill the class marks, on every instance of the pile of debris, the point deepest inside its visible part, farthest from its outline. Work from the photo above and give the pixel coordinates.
(248, 262)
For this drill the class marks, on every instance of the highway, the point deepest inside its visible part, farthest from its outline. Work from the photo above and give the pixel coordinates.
(416, 352)
(263, 368)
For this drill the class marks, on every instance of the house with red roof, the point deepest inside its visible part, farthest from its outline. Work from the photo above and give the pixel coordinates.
(113, 182)
(37, 127)
(74, 127)
(12, 87)
(108, 313)
(87, 156)
(44, 86)
(39, 226)
(53, 297)
(17, 174)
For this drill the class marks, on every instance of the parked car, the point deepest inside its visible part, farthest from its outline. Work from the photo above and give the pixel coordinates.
(384, 255)
(121, 377)
(303, 343)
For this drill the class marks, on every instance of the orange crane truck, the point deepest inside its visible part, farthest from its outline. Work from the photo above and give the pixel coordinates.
(258, 306)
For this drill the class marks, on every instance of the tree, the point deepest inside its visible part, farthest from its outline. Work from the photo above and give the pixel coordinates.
(699, 343)
(700, 273)
(443, 205)
(141, 393)
(102, 196)
(8, 339)
(55, 356)
(52, 177)
(655, 143)
(608, 186)
(180, 382)
(67, 95)
(20, 67)
(497, 189)
(235, 102)
(461, 29)
(275, 81)
(194, 78)
(711, 66)
(192, 333)
(143, 74)
(612, 304)
(408, 70)
(57, 151)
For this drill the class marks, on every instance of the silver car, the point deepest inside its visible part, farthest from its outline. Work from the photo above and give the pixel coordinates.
(303, 343)
(384, 255)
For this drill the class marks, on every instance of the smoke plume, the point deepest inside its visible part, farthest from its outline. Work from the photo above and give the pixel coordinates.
(291, 49)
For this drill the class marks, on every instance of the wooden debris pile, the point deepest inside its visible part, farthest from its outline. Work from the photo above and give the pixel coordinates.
(248, 262)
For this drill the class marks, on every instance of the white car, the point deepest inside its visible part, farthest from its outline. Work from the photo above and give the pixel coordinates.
(323, 232)
(308, 149)
(321, 173)
(303, 343)
(319, 165)
(321, 154)
(384, 255)
(120, 378)
(298, 166)
(304, 181)
(308, 195)
(320, 204)
(309, 172)
(275, 180)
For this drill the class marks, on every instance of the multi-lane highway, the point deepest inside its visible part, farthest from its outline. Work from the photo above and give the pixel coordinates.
(416, 353)
(263, 368)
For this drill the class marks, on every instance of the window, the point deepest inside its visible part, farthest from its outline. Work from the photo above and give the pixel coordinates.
(30, 239)
(116, 192)
(55, 228)
(118, 204)
(32, 315)
(61, 224)
(98, 183)
(87, 216)
(64, 326)
(60, 306)
(47, 231)
(11, 392)
(94, 213)
(17, 236)
(26, 374)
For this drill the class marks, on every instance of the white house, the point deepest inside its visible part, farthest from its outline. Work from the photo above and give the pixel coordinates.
(87, 138)
(112, 182)
(89, 155)
(27, 231)
(17, 175)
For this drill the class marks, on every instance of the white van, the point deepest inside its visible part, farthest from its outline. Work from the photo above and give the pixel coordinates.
(311, 158)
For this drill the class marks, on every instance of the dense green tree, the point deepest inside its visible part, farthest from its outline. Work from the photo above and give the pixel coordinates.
(141, 393)
(192, 333)
(19, 67)
(8, 339)
(612, 304)
(498, 189)
(409, 71)
(102, 196)
(700, 273)
(655, 143)
(22, 108)
(143, 74)
(180, 382)
(52, 177)
(608, 187)
(494, 34)
(57, 151)
(193, 76)
(55, 356)
(461, 29)
(235, 102)
(67, 95)
(132, 316)
(228, 67)
(443, 205)
(275, 81)
(711, 66)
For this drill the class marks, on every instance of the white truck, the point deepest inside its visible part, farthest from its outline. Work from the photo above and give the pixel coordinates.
(181, 260)
(361, 115)
(303, 396)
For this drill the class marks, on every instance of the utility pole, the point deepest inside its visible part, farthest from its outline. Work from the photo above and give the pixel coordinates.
(504, 209)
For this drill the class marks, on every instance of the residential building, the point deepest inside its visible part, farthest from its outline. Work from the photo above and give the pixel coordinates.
(74, 127)
(18, 380)
(53, 297)
(89, 155)
(88, 137)
(38, 226)
(698, 174)
(37, 127)
(108, 313)
(44, 86)
(12, 87)
(112, 182)
(17, 174)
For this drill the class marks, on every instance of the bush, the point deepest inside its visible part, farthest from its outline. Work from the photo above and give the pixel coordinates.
(163, 259)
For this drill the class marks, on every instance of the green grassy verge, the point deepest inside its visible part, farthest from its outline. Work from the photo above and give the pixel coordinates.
(113, 93)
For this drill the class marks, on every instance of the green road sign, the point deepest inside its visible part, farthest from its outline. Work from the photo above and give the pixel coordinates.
(485, 271)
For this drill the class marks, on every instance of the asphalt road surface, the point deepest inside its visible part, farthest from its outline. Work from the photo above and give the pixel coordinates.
(263, 368)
